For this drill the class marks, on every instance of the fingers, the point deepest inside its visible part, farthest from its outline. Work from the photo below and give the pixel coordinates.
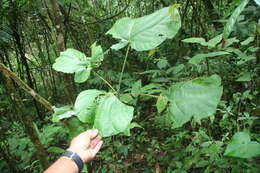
(97, 147)
(90, 134)
(94, 142)
(90, 153)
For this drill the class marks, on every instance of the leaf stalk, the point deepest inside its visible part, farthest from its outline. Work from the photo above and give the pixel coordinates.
(123, 68)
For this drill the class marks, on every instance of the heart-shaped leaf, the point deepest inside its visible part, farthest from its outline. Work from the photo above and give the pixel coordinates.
(74, 61)
(196, 98)
(112, 116)
(85, 105)
(148, 32)
(70, 61)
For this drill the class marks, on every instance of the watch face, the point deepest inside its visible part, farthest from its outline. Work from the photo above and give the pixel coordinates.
(75, 157)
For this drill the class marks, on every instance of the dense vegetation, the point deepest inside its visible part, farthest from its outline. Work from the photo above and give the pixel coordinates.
(172, 86)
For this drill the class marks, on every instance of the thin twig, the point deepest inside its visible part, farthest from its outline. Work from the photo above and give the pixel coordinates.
(105, 81)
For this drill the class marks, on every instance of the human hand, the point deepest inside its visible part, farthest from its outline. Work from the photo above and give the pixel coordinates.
(86, 145)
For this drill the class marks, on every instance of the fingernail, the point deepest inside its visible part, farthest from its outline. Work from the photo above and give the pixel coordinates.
(95, 130)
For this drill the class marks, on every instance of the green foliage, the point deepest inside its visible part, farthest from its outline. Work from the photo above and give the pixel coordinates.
(242, 146)
(195, 60)
(197, 98)
(112, 116)
(232, 20)
(62, 112)
(178, 105)
(211, 43)
(161, 103)
(257, 2)
(85, 105)
(247, 41)
(147, 32)
(82, 75)
(74, 61)
(201, 41)
(244, 77)
(70, 61)
(106, 113)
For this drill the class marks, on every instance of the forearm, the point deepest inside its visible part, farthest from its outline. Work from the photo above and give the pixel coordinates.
(63, 165)
(83, 148)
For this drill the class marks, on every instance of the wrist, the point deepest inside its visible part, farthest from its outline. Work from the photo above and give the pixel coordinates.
(68, 161)
(74, 157)
(78, 152)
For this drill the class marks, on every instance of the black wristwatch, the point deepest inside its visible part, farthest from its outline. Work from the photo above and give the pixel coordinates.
(75, 157)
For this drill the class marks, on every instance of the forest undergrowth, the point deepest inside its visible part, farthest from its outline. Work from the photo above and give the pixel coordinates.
(172, 86)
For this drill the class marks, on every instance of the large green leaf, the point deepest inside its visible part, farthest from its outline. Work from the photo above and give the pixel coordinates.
(148, 32)
(241, 146)
(199, 57)
(85, 105)
(70, 61)
(112, 116)
(232, 20)
(196, 98)
(74, 61)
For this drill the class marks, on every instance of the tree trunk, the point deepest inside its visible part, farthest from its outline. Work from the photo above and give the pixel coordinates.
(28, 123)
(57, 17)
(17, 38)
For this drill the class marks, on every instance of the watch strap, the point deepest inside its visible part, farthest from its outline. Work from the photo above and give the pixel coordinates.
(75, 157)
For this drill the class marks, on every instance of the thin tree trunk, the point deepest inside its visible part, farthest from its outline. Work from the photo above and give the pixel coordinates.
(57, 17)
(7, 58)
(28, 124)
(51, 71)
(17, 38)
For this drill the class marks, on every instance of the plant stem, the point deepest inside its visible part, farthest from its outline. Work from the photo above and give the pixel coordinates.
(207, 61)
(123, 68)
(149, 95)
(110, 86)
